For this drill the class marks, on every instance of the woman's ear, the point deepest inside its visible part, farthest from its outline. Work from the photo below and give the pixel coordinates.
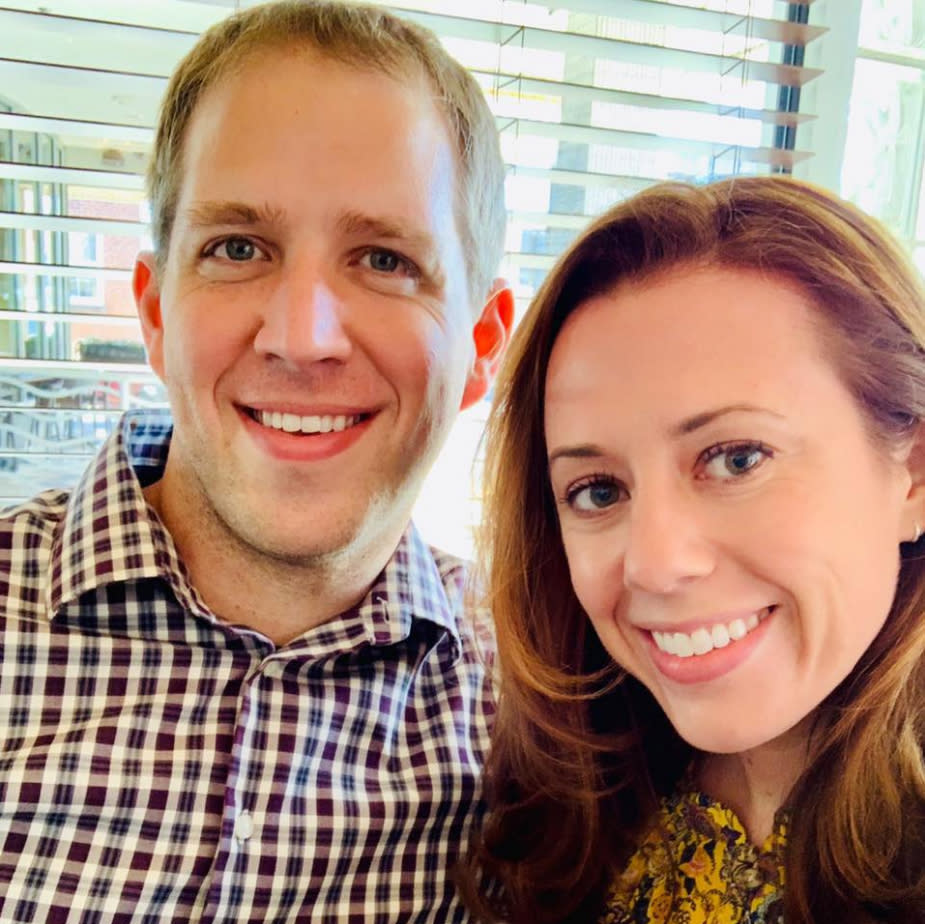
(490, 334)
(913, 459)
(146, 289)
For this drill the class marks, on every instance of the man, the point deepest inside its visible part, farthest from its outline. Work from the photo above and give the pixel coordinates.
(236, 685)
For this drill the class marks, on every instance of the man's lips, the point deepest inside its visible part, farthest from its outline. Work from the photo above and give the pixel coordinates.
(292, 437)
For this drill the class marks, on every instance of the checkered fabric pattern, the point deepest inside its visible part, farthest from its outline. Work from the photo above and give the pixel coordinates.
(158, 765)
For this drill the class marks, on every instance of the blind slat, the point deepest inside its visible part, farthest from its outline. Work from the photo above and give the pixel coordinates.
(69, 223)
(30, 270)
(50, 125)
(654, 12)
(588, 178)
(78, 369)
(77, 176)
(579, 134)
(71, 317)
(573, 92)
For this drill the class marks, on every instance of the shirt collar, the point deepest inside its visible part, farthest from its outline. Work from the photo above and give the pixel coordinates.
(109, 534)
(416, 585)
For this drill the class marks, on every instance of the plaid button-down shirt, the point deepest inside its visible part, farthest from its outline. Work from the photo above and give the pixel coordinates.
(159, 765)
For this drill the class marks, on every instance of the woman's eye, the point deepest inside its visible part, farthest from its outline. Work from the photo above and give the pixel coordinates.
(592, 496)
(732, 461)
(235, 249)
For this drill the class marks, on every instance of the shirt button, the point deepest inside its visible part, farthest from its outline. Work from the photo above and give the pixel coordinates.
(244, 826)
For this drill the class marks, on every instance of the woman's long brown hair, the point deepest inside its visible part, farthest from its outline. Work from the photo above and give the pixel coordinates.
(581, 752)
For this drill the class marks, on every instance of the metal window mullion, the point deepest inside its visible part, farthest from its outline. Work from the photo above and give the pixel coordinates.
(788, 99)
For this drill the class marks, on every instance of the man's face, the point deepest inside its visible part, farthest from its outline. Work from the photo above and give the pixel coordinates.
(312, 324)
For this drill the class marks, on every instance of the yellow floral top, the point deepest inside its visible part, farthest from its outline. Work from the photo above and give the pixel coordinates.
(700, 848)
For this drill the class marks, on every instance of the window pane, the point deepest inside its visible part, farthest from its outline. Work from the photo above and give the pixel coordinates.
(896, 23)
(881, 168)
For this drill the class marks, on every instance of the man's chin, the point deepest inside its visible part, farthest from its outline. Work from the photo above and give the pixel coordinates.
(311, 535)
(294, 541)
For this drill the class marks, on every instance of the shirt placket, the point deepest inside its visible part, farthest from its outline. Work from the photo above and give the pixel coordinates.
(238, 889)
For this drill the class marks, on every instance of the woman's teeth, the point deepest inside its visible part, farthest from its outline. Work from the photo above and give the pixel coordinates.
(702, 641)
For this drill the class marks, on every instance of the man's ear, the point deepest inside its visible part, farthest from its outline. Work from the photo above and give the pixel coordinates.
(147, 292)
(491, 334)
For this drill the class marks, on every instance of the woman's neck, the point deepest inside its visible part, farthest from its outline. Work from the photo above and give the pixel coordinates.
(757, 782)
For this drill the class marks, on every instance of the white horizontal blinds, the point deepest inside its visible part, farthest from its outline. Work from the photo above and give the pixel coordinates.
(75, 128)
(594, 99)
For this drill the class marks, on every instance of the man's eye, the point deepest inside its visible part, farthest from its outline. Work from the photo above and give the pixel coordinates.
(389, 262)
(235, 249)
(384, 261)
(726, 461)
(593, 495)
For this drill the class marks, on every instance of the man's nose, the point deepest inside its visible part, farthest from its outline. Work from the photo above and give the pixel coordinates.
(304, 320)
(667, 543)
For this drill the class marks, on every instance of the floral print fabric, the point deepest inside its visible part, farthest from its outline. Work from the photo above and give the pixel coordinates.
(697, 866)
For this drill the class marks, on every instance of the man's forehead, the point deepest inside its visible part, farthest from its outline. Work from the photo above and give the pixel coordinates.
(262, 64)
(405, 93)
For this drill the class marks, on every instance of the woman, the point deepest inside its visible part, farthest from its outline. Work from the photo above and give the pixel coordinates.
(705, 489)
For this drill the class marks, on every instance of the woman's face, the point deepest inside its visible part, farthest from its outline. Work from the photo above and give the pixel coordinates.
(731, 528)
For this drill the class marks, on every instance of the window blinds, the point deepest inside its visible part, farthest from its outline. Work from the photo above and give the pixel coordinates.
(594, 100)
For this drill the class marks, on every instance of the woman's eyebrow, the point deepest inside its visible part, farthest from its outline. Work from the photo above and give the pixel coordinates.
(582, 451)
(694, 423)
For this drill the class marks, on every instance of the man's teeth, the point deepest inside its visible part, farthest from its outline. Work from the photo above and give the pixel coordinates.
(312, 423)
(702, 641)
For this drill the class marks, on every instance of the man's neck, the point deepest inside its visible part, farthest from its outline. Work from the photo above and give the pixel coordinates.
(242, 586)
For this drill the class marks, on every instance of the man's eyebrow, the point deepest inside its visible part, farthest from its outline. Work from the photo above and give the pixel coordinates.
(692, 424)
(210, 214)
(357, 223)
